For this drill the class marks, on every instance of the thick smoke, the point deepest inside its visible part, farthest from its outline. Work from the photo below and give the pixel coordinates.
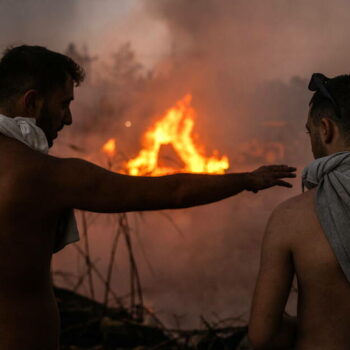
(247, 65)
(249, 116)
(259, 40)
(37, 22)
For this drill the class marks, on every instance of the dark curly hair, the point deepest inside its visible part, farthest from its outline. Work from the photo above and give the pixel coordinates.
(320, 106)
(34, 67)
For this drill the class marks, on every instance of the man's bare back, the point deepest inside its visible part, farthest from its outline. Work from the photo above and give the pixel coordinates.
(323, 290)
(295, 243)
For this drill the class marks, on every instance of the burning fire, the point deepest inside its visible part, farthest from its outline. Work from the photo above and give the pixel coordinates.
(173, 128)
(109, 147)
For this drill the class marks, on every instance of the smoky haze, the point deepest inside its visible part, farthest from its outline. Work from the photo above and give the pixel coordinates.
(40, 22)
(270, 40)
(247, 66)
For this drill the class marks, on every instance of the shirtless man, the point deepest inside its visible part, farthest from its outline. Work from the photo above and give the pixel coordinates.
(36, 189)
(295, 243)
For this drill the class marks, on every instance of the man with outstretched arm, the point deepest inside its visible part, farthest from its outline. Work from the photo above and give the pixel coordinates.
(38, 191)
(308, 236)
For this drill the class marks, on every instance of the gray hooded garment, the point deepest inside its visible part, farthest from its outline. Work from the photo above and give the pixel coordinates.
(331, 176)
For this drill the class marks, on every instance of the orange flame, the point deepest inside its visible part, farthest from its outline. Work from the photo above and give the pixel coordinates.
(175, 129)
(109, 147)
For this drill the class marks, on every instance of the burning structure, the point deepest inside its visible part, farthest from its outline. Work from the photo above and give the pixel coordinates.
(174, 128)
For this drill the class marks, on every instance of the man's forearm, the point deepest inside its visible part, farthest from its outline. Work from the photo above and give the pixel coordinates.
(188, 190)
(195, 189)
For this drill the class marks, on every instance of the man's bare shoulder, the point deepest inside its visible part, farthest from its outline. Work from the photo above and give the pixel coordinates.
(21, 165)
(295, 207)
(16, 155)
(293, 216)
(298, 202)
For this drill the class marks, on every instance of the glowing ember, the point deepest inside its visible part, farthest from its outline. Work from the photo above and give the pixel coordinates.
(128, 124)
(109, 147)
(175, 129)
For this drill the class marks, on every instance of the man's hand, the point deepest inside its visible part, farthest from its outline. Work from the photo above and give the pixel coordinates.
(268, 176)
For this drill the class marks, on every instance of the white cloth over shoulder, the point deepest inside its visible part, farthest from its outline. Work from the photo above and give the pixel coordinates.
(331, 176)
(26, 131)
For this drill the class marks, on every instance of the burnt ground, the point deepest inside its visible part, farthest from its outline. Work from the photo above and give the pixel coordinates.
(86, 324)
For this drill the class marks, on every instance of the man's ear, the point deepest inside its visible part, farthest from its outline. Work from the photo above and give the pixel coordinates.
(32, 103)
(328, 130)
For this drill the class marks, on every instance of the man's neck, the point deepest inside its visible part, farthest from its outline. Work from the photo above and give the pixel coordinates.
(339, 148)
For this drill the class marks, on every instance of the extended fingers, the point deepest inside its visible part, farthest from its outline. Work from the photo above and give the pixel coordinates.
(282, 171)
(281, 174)
(283, 183)
(281, 167)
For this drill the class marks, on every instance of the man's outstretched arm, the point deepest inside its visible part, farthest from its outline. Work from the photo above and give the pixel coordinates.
(269, 326)
(83, 185)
